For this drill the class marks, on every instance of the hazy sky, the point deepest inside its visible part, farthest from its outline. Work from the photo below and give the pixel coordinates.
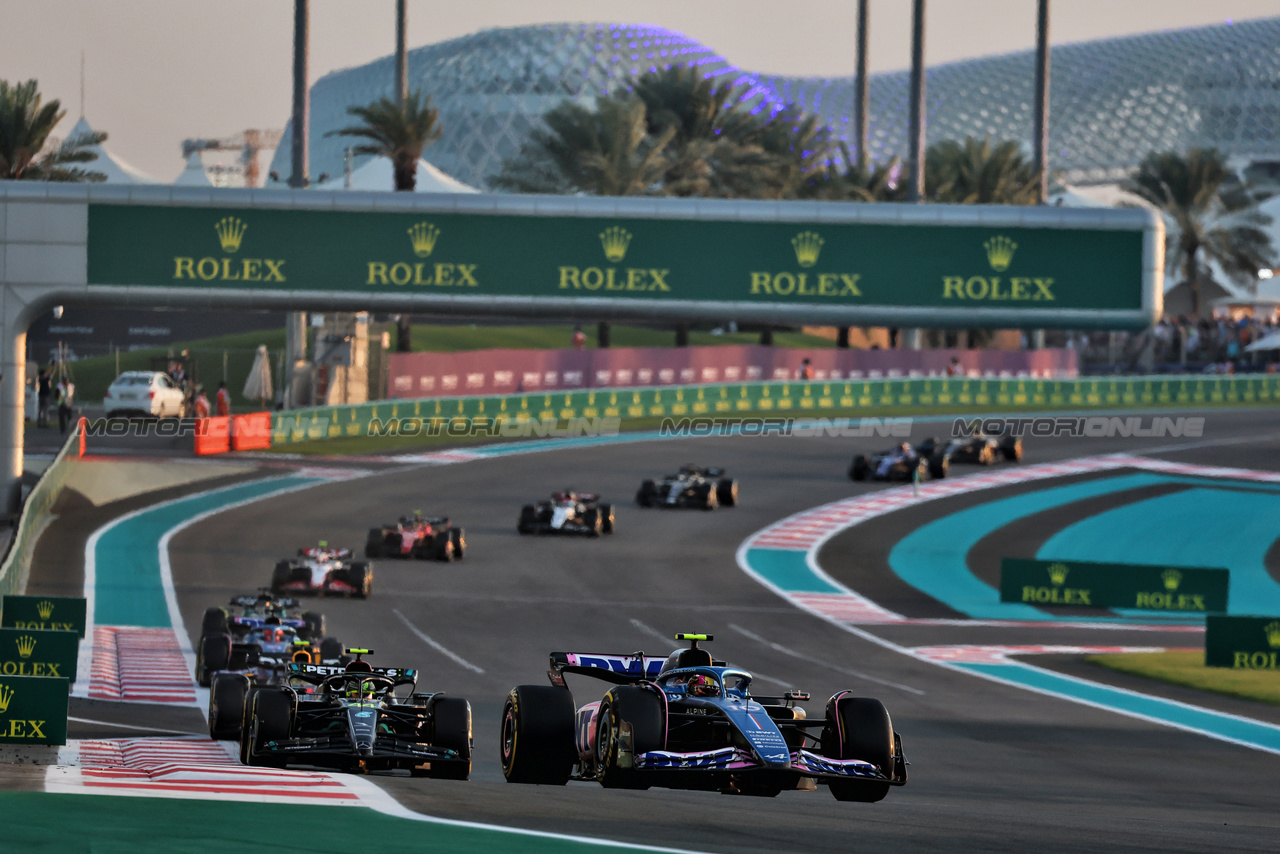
(159, 71)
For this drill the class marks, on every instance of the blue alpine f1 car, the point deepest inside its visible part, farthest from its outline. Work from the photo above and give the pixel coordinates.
(691, 722)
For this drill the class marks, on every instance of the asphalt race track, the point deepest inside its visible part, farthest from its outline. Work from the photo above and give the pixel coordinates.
(993, 767)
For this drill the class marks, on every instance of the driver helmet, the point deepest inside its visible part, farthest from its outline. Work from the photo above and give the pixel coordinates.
(701, 685)
(360, 690)
(274, 634)
(904, 448)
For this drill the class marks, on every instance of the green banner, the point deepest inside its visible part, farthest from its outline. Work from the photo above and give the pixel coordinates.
(39, 652)
(783, 399)
(33, 710)
(1246, 643)
(57, 613)
(1113, 585)
(819, 263)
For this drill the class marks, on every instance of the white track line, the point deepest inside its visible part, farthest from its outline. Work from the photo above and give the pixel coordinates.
(777, 647)
(167, 732)
(457, 659)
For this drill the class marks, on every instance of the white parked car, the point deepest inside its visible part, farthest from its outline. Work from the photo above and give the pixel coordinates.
(144, 393)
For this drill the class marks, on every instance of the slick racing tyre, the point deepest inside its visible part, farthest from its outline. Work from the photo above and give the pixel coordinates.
(451, 728)
(727, 492)
(606, 518)
(707, 496)
(860, 468)
(444, 547)
(280, 577)
(1011, 448)
(361, 578)
(373, 545)
(330, 649)
(270, 719)
(593, 521)
(312, 626)
(214, 655)
(458, 537)
(537, 735)
(939, 466)
(644, 711)
(647, 496)
(528, 519)
(214, 623)
(226, 705)
(859, 728)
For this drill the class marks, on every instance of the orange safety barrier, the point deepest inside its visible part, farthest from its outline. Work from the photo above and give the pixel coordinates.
(81, 425)
(251, 432)
(213, 435)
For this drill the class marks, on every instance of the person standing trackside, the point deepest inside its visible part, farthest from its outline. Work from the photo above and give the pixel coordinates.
(222, 401)
(65, 394)
(43, 389)
(579, 338)
(806, 371)
(202, 403)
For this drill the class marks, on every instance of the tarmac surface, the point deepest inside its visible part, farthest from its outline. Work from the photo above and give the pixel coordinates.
(994, 767)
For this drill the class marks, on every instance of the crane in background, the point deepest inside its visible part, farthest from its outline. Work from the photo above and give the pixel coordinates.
(248, 143)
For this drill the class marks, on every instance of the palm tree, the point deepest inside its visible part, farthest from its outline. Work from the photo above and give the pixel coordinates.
(1208, 212)
(398, 131)
(883, 183)
(976, 172)
(25, 127)
(606, 152)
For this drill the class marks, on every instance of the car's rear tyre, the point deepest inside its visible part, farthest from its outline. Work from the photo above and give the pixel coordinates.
(707, 496)
(226, 705)
(214, 622)
(607, 519)
(361, 575)
(595, 524)
(648, 494)
(459, 539)
(244, 723)
(528, 519)
(280, 577)
(374, 544)
(214, 655)
(986, 456)
(330, 649)
(859, 728)
(727, 492)
(928, 447)
(644, 711)
(939, 466)
(451, 728)
(312, 626)
(271, 719)
(860, 468)
(443, 547)
(1011, 448)
(536, 739)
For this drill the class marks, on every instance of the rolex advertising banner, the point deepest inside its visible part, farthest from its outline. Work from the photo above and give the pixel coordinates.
(1247, 643)
(1073, 275)
(1113, 585)
(33, 710)
(39, 652)
(57, 613)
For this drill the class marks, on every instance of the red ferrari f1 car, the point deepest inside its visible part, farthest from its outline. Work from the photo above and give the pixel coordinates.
(417, 536)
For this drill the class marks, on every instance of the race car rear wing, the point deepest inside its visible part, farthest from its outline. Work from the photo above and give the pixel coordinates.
(619, 669)
(317, 673)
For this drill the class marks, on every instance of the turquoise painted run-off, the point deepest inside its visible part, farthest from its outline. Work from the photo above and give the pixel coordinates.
(1203, 526)
(1214, 724)
(128, 590)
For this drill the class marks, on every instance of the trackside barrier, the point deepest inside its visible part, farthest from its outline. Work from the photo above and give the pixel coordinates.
(251, 432)
(1246, 643)
(35, 513)
(33, 709)
(213, 435)
(1085, 584)
(785, 398)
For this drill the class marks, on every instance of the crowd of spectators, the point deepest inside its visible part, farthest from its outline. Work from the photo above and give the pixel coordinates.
(1216, 345)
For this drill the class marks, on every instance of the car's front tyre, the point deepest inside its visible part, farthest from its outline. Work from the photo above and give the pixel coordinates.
(536, 738)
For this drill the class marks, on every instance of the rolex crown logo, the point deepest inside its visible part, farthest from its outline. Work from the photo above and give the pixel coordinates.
(1171, 578)
(1000, 251)
(1058, 573)
(807, 245)
(615, 239)
(44, 608)
(423, 236)
(6, 697)
(26, 646)
(1273, 634)
(230, 232)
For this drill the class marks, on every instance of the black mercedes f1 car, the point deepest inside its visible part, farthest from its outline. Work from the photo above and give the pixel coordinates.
(979, 448)
(900, 463)
(692, 486)
(690, 722)
(352, 720)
